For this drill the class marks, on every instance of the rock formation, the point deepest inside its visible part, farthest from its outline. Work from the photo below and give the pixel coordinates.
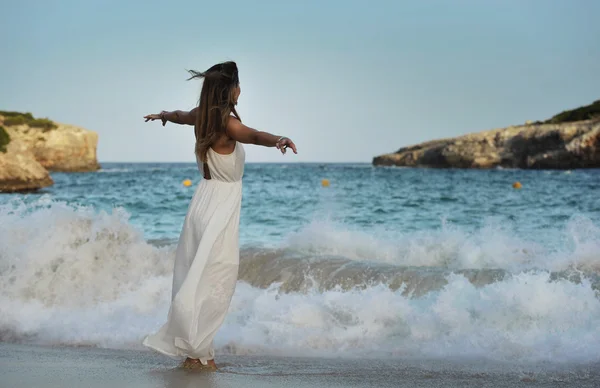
(19, 171)
(558, 143)
(29, 147)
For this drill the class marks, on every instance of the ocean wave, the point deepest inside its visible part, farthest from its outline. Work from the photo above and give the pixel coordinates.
(527, 317)
(495, 246)
(57, 254)
(114, 170)
(77, 276)
(294, 273)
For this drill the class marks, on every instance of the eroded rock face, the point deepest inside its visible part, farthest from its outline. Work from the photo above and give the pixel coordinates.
(32, 151)
(545, 146)
(20, 171)
(66, 148)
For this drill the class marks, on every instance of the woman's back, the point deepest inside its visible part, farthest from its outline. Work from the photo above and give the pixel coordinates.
(225, 167)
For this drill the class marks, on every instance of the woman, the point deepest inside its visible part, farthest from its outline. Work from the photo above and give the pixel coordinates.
(207, 255)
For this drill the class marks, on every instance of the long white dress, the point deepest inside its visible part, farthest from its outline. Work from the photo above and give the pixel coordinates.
(206, 262)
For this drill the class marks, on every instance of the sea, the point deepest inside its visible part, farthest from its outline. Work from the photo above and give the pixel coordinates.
(338, 262)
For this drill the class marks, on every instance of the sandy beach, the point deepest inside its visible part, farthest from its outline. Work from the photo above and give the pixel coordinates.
(24, 366)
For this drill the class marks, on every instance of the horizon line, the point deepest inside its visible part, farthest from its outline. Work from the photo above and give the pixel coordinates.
(266, 162)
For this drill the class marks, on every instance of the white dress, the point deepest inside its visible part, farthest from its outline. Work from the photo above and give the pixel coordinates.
(206, 262)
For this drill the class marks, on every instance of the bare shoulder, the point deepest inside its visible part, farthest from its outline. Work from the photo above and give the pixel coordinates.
(233, 121)
(192, 116)
(234, 125)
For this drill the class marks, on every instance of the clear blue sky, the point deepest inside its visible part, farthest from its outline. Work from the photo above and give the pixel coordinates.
(347, 80)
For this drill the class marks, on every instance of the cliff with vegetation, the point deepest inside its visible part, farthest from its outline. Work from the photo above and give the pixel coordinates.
(30, 147)
(569, 140)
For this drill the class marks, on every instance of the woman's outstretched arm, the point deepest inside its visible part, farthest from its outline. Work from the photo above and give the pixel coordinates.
(239, 132)
(176, 116)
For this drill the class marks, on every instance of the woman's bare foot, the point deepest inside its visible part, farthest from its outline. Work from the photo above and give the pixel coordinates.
(211, 364)
(191, 363)
(194, 363)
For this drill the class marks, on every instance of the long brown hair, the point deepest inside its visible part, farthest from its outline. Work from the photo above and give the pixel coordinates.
(216, 104)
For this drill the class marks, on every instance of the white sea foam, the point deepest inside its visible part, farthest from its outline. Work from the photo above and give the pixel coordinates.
(493, 246)
(528, 317)
(114, 170)
(74, 275)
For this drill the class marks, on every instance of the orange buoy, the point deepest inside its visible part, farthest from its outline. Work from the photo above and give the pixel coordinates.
(517, 185)
(187, 183)
(325, 183)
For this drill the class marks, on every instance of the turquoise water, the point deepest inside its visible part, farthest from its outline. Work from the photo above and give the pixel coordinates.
(280, 199)
(385, 262)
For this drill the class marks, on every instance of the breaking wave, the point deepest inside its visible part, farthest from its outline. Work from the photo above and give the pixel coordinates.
(78, 276)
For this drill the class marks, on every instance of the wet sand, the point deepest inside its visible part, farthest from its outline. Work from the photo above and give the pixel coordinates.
(42, 366)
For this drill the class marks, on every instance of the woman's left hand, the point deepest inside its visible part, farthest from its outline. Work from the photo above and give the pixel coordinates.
(284, 143)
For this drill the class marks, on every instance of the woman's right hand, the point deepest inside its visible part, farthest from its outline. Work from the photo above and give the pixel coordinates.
(159, 116)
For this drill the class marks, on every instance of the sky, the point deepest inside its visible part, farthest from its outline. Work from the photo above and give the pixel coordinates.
(346, 80)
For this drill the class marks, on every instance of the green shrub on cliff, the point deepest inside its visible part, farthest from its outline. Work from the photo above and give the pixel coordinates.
(18, 118)
(4, 139)
(27, 116)
(45, 124)
(15, 120)
(582, 113)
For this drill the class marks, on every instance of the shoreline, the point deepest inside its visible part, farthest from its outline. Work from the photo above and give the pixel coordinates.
(60, 366)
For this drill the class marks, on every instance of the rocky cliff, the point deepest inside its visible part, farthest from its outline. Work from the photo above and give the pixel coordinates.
(559, 143)
(58, 147)
(19, 171)
(29, 147)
